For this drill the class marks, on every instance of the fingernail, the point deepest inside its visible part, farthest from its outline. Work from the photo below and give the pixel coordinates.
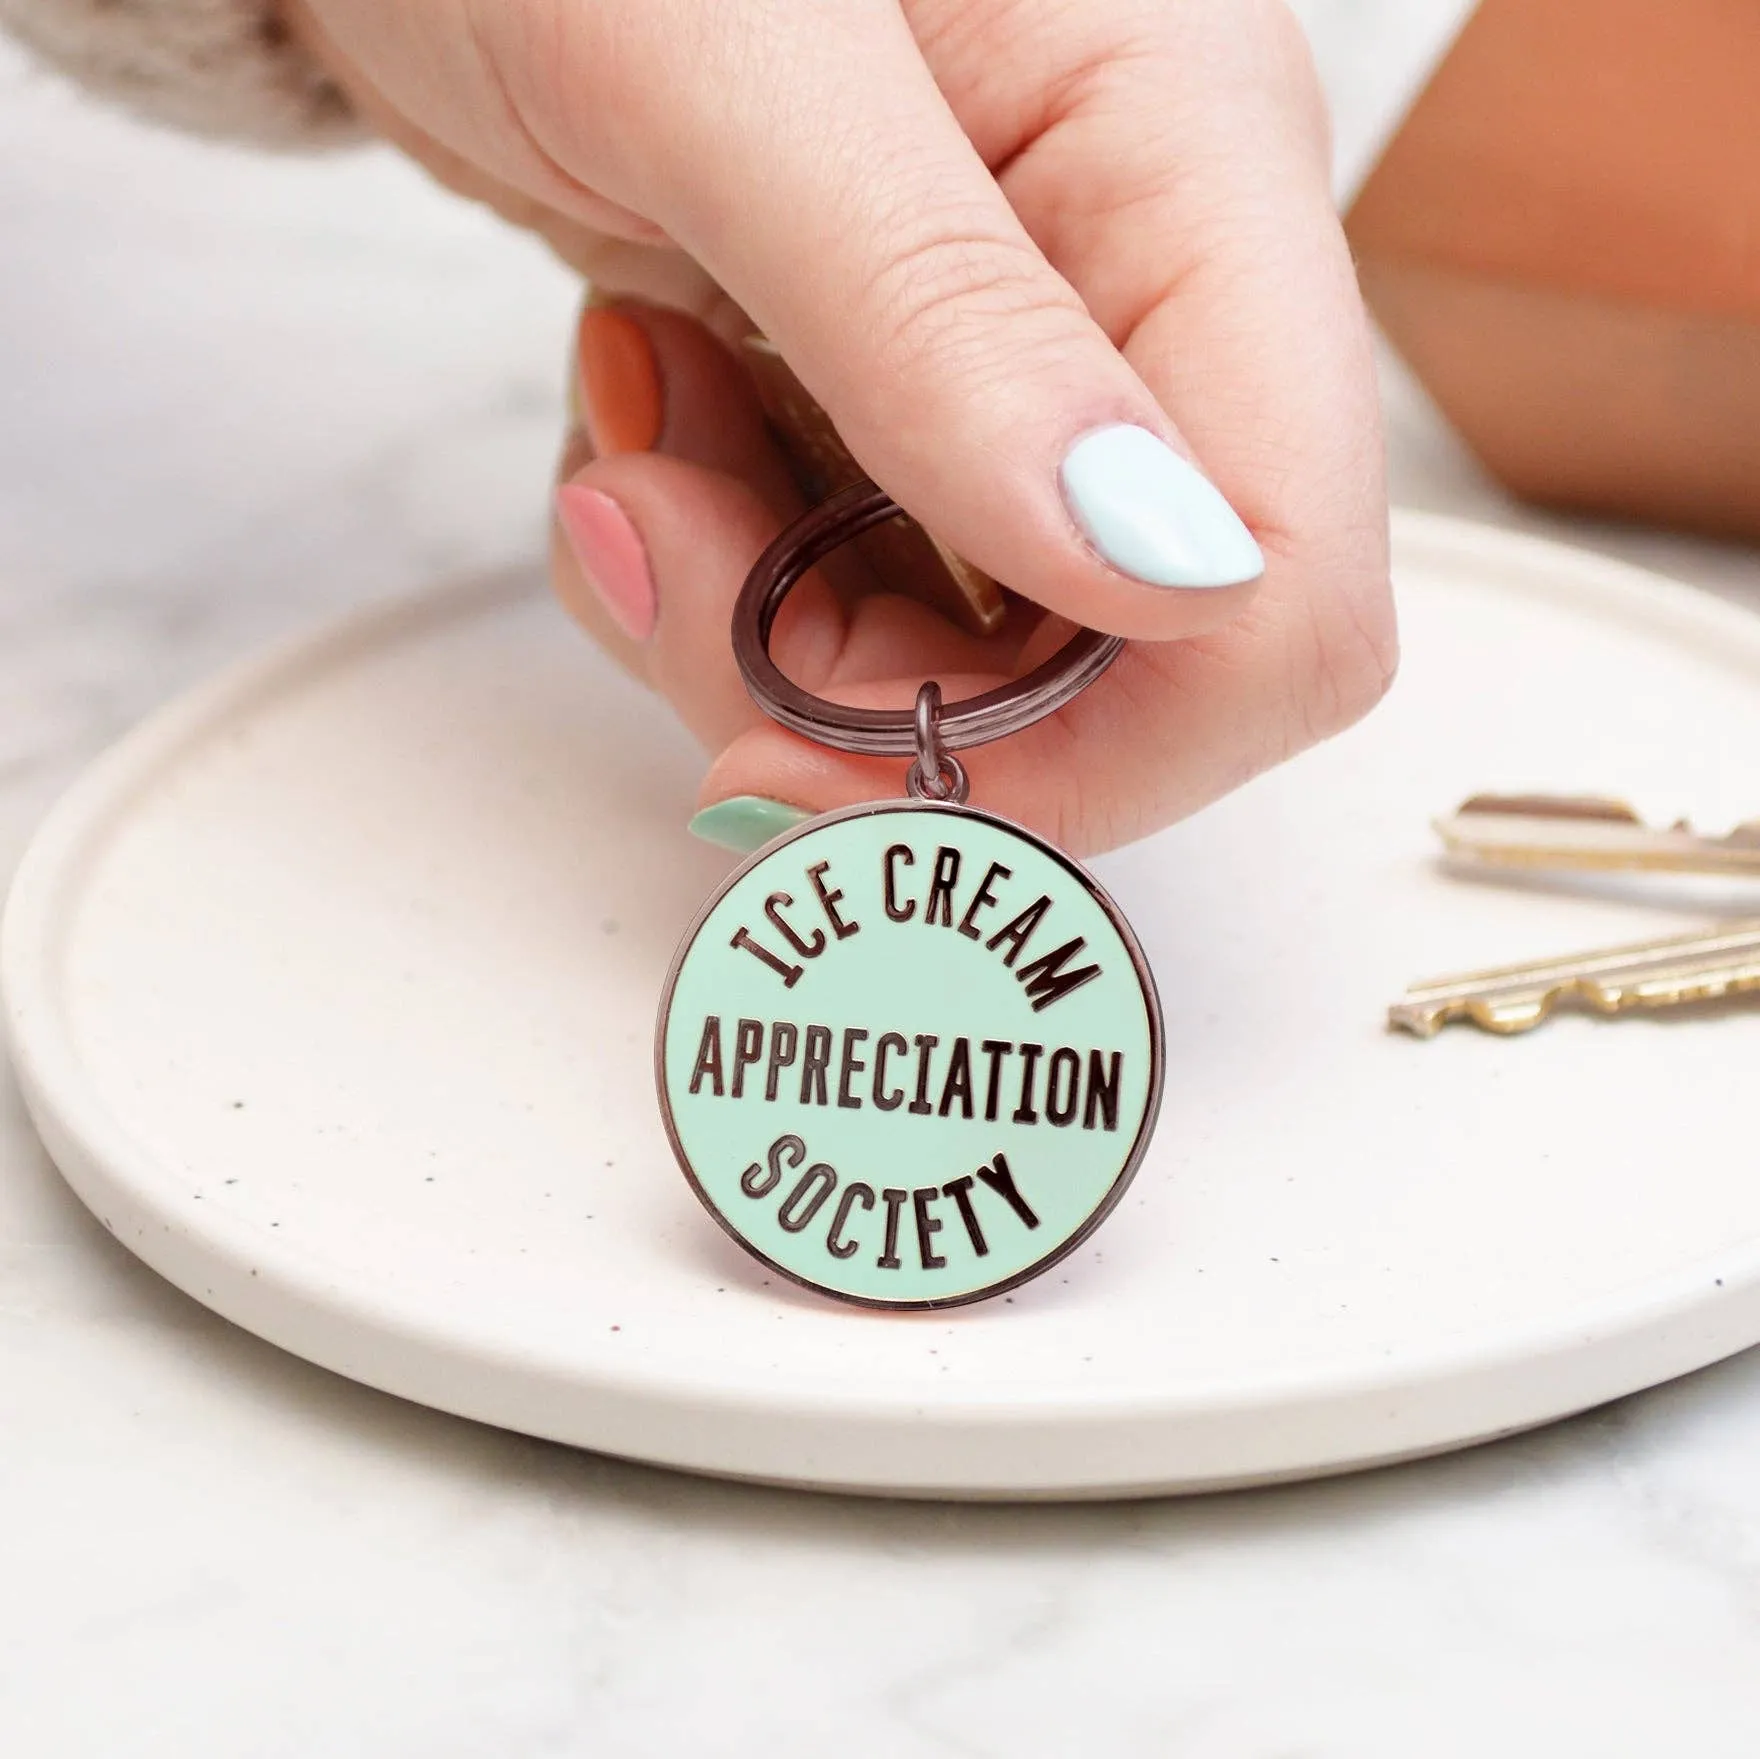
(1153, 515)
(610, 552)
(618, 379)
(746, 822)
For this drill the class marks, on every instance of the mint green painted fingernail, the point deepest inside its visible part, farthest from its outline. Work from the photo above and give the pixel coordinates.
(746, 822)
(1152, 514)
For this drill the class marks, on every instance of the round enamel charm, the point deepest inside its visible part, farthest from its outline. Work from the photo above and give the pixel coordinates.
(909, 1055)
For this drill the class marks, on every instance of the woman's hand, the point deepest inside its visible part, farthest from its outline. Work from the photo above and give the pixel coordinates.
(981, 231)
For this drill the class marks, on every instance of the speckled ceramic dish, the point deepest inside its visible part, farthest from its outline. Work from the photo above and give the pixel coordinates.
(332, 994)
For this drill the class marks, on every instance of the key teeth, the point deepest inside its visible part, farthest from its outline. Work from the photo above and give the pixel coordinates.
(1419, 1022)
(1426, 1020)
(1608, 998)
(1509, 1018)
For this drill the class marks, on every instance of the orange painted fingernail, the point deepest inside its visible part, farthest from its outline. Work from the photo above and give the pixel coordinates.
(619, 380)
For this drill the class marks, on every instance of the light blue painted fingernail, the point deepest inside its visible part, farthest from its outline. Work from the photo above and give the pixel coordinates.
(746, 822)
(1154, 516)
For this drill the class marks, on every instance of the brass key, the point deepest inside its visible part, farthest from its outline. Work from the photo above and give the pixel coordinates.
(902, 555)
(1529, 832)
(1573, 831)
(1719, 961)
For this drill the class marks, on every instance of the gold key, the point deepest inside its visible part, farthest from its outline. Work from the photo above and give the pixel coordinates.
(1529, 832)
(1572, 831)
(1699, 967)
(903, 556)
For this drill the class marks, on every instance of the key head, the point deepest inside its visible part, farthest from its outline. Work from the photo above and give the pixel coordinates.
(901, 556)
(1577, 806)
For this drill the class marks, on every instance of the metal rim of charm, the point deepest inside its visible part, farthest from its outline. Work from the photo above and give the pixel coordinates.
(1133, 1161)
(994, 714)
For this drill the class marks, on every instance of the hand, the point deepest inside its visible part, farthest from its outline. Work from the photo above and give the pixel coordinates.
(981, 231)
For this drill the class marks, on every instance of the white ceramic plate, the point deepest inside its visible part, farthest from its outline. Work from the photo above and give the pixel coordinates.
(331, 992)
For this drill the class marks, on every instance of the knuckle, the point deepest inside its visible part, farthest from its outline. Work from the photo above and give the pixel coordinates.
(1249, 66)
(954, 304)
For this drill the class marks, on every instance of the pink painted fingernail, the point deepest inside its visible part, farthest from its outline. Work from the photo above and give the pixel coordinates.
(609, 550)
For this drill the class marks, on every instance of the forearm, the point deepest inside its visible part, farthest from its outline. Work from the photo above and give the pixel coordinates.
(217, 67)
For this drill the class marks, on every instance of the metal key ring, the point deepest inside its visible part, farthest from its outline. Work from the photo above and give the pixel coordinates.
(877, 732)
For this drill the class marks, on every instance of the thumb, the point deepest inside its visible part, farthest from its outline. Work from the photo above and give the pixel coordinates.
(829, 188)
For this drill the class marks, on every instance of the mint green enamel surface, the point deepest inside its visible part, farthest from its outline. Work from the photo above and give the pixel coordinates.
(746, 822)
(911, 978)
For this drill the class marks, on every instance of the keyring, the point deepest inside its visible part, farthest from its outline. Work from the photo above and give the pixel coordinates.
(909, 1054)
(876, 732)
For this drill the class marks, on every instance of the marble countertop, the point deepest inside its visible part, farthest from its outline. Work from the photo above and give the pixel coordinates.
(238, 396)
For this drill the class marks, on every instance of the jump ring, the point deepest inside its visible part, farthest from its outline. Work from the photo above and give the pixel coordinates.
(948, 783)
(927, 727)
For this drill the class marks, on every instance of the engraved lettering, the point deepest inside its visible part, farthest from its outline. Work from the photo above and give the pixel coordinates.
(1103, 1081)
(708, 1064)
(958, 1085)
(982, 898)
(837, 1242)
(807, 1198)
(926, 1042)
(899, 853)
(790, 974)
(1046, 980)
(784, 1038)
(829, 901)
(883, 1047)
(808, 949)
(1019, 931)
(852, 1067)
(760, 1181)
(938, 906)
(1063, 1086)
(995, 1049)
(1000, 1180)
(1030, 1055)
(748, 1046)
(928, 1227)
(814, 1063)
(960, 1190)
(895, 1201)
